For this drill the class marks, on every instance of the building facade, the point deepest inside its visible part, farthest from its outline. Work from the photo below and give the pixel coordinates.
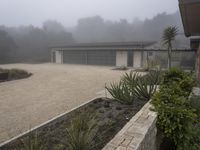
(108, 54)
(128, 54)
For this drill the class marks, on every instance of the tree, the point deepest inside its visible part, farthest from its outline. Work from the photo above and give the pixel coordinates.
(7, 46)
(53, 26)
(168, 37)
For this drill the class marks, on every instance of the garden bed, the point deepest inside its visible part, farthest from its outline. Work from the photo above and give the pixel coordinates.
(110, 117)
(13, 74)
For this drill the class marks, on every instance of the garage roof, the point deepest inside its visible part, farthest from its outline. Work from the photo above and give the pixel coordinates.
(122, 46)
(110, 45)
(190, 12)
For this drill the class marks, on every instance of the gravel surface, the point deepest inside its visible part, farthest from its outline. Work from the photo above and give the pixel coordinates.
(51, 90)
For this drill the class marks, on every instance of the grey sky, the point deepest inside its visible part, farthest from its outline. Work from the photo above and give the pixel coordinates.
(25, 12)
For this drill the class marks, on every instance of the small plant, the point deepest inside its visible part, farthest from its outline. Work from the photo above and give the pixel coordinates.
(147, 85)
(151, 64)
(143, 90)
(121, 68)
(142, 87)
(81, 133)
(32, 142)
(153, 77)
(121, 92)
(130, 79)
(134, 86)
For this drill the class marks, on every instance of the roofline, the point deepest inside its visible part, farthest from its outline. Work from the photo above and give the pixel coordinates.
(183, 11)
(188, 1)
(106, 44)
(126, 49)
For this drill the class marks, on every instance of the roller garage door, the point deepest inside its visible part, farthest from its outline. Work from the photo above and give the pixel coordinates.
(74, 57)
(91, 57)
(101, 57)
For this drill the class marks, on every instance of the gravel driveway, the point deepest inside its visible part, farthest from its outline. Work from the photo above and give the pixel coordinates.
(51, 90)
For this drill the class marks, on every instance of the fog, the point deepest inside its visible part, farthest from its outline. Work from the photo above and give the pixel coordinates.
(35, 12)
(29, 27)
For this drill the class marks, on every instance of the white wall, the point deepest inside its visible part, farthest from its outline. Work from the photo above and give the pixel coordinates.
(58, 57)
(121, 58)
(137, 59)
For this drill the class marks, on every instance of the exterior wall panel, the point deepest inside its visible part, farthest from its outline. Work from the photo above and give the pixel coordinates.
(137, 58)
(121, 58)
(58, 57)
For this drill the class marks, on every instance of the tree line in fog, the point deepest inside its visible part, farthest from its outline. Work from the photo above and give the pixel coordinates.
(31, 43)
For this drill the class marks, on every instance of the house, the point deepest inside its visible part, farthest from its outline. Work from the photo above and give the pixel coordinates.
(190, 13)
(128, 54)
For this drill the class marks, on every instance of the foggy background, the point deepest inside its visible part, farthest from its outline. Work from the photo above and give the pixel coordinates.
(29, 27)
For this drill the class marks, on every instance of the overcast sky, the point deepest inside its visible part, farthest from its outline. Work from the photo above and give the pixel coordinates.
(25, 12)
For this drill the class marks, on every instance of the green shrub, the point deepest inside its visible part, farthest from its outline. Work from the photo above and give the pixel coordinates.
(185, 80)
(174, 74)
(178, 75)
(195, 103)
(176, 116)
(121, 92)
(193, 143)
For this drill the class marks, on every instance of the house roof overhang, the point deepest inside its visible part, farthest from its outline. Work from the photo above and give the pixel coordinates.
(190, 13)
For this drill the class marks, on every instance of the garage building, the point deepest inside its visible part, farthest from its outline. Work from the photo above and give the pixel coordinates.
(108, 54)
(128, 54)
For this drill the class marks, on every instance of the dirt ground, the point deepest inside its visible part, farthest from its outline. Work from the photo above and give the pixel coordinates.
(51, 90)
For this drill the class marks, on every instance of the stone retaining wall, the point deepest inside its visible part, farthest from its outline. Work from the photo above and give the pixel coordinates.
(138, 134)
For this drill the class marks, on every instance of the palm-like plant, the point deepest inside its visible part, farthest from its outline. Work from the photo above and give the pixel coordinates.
(169, 35)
